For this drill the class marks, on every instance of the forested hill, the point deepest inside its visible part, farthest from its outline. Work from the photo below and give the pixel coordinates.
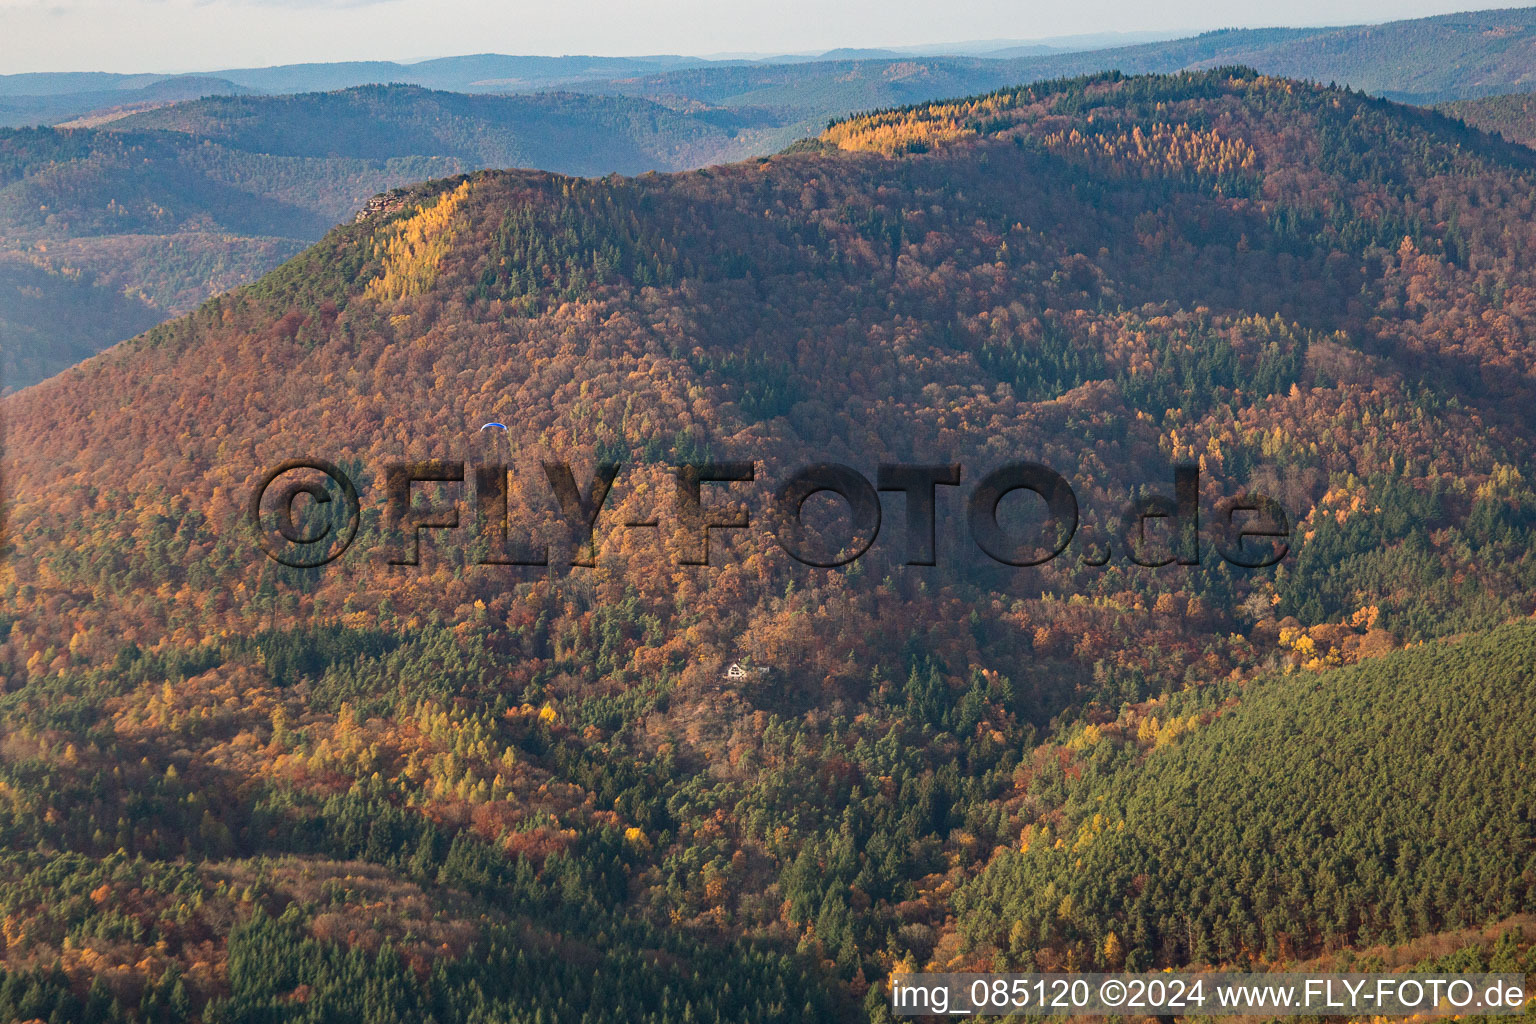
(107, 231)
(50, 97)
(1513, 116)
(568, 133)
(378, 792)
(127, 229)
(1420, 60)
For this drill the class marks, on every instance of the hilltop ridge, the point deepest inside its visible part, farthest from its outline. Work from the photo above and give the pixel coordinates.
(286, 167)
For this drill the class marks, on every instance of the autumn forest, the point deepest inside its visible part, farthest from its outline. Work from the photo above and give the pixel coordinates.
(649, 790)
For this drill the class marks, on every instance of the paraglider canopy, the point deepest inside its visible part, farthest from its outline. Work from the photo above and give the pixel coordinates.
(503, 426)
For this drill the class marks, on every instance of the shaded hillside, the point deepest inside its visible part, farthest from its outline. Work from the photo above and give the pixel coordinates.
(566, 132)
(50, 321)
(1513, 117)
(1476, 53)
(50, 108)
(171, 206)
(278, 772)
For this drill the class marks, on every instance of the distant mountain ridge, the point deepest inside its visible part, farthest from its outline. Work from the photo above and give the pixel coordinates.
(1425, 60)
(575, 132)
(42, 98)
(1455, 56)
(461, 73)
(279, 169)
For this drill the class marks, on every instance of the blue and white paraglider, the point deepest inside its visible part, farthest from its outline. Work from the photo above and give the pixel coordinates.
(494, 431)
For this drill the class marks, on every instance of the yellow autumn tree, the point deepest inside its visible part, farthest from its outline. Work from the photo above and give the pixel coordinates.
(1113, 951)
(414, 248)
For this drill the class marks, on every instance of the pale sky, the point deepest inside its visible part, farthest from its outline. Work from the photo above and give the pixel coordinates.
(198, 35)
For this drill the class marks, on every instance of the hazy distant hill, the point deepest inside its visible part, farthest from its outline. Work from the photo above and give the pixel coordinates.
(1420, 60)
(572, 132)
(46, 98)
(50, 320)
(1426, 60)
(176, 204)
(482, 72)
(51, 108)
(459, 73)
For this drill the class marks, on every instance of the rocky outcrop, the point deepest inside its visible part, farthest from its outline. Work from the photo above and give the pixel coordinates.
(384, 202)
